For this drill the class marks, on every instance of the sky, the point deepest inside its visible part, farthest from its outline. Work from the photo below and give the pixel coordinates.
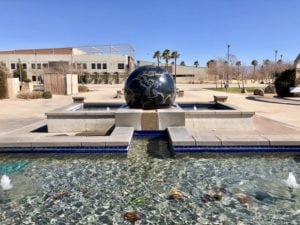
(197, 29)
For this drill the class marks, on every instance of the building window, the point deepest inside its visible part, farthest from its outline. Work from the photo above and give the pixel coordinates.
(84, 66)
(121, 66)
(33, 78)
(93, 66)
(13, 66)
(104, 66)
(39, 66)
(45, 65)
(32, 66)
(98, 66)
(24, 66)
(78, 66)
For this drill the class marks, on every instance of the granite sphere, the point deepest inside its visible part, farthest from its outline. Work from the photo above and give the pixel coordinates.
(150, 87)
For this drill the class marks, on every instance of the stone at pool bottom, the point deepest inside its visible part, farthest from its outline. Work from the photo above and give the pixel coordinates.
(150, 87)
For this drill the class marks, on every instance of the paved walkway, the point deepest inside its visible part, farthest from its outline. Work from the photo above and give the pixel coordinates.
(284, 101)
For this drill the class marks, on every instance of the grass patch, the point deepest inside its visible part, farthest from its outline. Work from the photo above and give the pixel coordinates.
(234, 89)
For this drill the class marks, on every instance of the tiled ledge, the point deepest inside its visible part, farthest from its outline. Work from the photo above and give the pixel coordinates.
(120, 139)
(182, 141)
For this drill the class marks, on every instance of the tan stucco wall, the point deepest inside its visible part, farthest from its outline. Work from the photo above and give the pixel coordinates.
(13, 87)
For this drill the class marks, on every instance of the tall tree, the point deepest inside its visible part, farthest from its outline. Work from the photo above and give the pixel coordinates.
(254, 63)
(21, 73)
(182, 63)
(196, 63)
(157, 56)
(238, 65)
(213, 70)
(166, 56)
(175, 56)
(267, 68)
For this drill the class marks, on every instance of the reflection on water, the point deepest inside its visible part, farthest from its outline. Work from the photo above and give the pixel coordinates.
(99, 189)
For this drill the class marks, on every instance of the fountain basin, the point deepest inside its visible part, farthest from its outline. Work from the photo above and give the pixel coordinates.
(101, 117)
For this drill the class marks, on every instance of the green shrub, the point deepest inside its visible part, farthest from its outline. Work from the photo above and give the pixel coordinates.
(82, 88)
(270, 89)
(21, 74)
(47, 94)
(27, 80)
(30, 95)
(284, 81)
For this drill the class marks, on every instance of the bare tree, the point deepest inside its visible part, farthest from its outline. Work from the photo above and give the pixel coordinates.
(237, 72)
(212, 70)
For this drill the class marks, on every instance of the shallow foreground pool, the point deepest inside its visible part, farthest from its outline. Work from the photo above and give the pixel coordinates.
(99, 189)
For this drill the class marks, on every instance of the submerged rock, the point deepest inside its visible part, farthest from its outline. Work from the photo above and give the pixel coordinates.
(214, 195)
(242, 198)
(59, 195)
(176, 194)
(132, 216)
(263, 197)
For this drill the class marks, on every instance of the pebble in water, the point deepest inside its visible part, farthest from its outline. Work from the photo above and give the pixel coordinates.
(132, 216)
(176, 194)
(242, 198)
(59, 195)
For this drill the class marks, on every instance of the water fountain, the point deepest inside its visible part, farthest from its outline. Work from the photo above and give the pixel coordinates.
(291, 181)
(5, 182)
(150, 107)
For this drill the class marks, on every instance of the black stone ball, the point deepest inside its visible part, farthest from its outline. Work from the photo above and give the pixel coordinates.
(150, 87)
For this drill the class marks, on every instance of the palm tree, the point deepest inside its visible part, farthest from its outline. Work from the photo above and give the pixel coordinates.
(238, 64)
(157, 56)
(266, 63)
(175, 56)
(196, 63)
(182, 63)
(254, 63)
(166, 56)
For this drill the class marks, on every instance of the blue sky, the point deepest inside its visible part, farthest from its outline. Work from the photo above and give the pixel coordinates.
(198, 30)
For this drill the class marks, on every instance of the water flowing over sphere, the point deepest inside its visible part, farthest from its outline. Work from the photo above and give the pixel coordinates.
(150, 87)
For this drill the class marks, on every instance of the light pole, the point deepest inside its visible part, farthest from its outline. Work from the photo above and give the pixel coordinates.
(227, 71)
(275, 63)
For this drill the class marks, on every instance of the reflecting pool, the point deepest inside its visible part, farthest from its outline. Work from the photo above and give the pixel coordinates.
(97, 189)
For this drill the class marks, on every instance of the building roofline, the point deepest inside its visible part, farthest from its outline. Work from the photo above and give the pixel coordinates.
(40, 51)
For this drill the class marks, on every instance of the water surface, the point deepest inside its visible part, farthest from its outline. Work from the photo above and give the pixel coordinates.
(99, 189)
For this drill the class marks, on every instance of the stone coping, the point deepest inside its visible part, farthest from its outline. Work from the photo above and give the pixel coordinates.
(121, 136)
(180, 136)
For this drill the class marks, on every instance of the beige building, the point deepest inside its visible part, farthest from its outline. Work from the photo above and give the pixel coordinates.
(184, 74)
(100, 59)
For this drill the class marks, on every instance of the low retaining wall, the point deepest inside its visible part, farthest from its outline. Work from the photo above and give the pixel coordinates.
(219, 119)
(67, 119)
(73, 119)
